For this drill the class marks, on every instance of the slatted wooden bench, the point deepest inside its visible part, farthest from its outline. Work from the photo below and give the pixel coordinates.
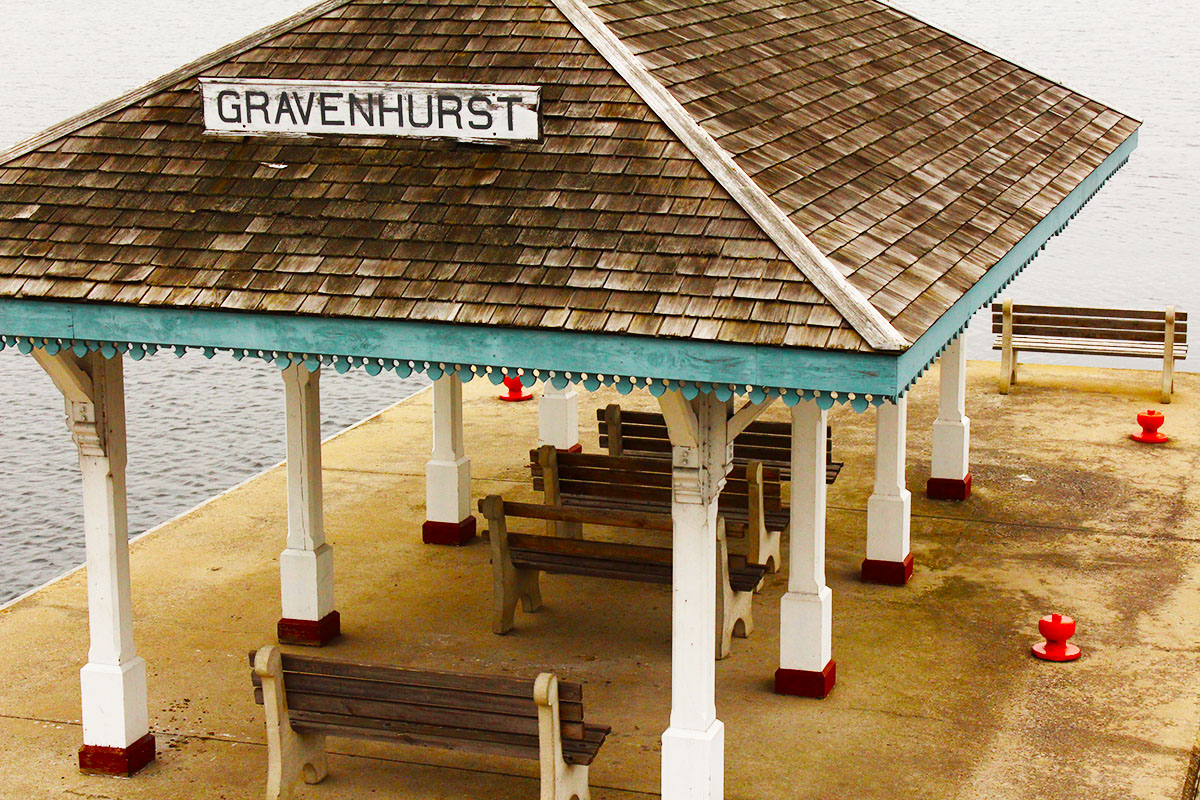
(307, 699)
(644, 433)
(751, 502)
(518, 559)
(1088, 331)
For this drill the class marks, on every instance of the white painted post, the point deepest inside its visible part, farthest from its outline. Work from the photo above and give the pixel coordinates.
(558, 418)
(950, 475)
(693, 747)
(306, 565)
(806, 666)
(888, 558)
(115, 714)
(448, 517)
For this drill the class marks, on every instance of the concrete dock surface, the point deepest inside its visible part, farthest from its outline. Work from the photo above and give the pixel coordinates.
(937, 695)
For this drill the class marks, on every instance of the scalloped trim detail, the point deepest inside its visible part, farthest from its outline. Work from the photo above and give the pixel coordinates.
(529, 376)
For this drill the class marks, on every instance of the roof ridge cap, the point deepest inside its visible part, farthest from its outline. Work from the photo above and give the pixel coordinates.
(866, 320)
(188, 70)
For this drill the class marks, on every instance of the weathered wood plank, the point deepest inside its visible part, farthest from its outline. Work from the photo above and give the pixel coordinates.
(571, 711)
(1091, 312)
(611, 551)
(618, 519)
(485, 684)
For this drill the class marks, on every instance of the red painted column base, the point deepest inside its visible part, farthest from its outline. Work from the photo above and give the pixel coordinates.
(806, 683)
(948, 488)
(453, 533)
(889, 573)
(310, 632)
(575, 448)
(123, 761)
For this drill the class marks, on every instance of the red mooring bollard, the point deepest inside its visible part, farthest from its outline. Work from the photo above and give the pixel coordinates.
(1151, 421)
(1057, 628)
(516, 391)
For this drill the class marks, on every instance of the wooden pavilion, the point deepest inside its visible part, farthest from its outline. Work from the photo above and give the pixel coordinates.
(725, 203)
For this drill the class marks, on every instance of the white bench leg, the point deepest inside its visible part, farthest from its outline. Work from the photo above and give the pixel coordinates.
(1008, 356)
(291, 756)
(735, 610)
(764, 544)
(508, 583)
(560, 780)
(1168, 381)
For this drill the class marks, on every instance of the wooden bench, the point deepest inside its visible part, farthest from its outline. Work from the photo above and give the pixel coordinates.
(518, 559)
(1088, 331)
(644, 433)
(307, 699)
(751, 502)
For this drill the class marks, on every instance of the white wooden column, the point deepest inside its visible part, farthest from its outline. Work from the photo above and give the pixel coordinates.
(950, 475)
(306, 565)
(693, 747)
(806, 666)
(448, 517)
(888, 558)
(116, 721)
(558, 418)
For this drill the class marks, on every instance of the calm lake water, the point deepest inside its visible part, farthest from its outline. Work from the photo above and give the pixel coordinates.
(197, 427)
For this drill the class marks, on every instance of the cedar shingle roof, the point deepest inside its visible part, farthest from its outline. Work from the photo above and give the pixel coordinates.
(913, 160)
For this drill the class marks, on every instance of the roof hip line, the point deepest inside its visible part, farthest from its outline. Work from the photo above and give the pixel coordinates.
(866, 320)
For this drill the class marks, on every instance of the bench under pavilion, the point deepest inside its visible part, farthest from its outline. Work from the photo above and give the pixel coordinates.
(730, 204)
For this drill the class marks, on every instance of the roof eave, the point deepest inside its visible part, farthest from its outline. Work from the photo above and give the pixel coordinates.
(405, 346)
(926, 349)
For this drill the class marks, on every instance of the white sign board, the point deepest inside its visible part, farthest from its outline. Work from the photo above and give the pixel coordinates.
(426, 110)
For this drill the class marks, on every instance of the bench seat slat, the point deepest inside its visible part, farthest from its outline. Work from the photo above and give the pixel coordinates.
(1090, 347)
(577, 751)
(743, 578)
(612, 559)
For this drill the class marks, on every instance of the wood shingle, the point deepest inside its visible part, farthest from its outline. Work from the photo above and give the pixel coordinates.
(913, 160)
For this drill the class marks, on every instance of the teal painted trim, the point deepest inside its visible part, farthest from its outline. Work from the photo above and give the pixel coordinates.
(561, 357)
(469, 350)
(913, 363)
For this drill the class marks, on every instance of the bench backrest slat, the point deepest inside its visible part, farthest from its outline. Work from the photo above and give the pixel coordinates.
(1098, 323)
(611, 551)
(399, 696)
(638, 479)
(645, 432)
(1120, 313)
(1096, 333)
(618, 518)
(423, 695)
(462, 739)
